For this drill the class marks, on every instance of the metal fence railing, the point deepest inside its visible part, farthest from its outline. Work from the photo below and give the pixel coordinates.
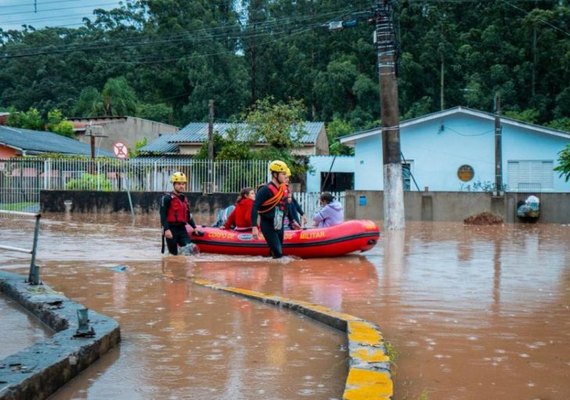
(309, 202)
(21, 180)
(33, 275)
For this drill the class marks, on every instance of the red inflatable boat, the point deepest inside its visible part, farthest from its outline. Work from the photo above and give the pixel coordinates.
(348, 237)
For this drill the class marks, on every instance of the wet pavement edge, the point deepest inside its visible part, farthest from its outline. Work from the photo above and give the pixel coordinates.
(41, 369)
(369, 375)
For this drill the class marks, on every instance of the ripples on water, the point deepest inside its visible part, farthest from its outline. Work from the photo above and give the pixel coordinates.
(473, 312)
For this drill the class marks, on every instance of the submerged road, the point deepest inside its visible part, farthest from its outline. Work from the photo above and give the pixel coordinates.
(473, 312)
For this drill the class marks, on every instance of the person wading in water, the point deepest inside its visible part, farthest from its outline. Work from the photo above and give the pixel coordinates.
(175, 215)
(270, 208)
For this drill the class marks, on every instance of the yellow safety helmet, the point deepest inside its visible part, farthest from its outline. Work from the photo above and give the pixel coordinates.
(278, 166)
(179, 177)
(288, 172)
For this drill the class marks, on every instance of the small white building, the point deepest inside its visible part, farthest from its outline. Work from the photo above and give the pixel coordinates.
(330, 173)
(454, 150)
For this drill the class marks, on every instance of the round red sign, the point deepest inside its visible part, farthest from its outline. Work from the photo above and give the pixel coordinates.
(120, 150)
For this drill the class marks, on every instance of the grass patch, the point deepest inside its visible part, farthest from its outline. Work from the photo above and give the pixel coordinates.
(23, 206)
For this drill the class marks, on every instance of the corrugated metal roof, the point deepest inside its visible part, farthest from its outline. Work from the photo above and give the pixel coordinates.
(160, 145)
(197, 132)
(36, 142)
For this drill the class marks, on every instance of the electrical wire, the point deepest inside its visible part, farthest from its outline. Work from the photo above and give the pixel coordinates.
(196, 36)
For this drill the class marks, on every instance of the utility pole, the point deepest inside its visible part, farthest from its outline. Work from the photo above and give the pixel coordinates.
(498, 146)
(210, 145)
(385, 39)
(394, 217)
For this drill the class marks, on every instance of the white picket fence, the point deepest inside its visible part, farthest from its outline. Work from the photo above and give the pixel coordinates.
(309, 202)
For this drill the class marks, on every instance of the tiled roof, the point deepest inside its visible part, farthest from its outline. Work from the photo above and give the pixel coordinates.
(197, 132)
(36, 142)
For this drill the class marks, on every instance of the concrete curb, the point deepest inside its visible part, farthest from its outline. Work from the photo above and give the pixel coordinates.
(369, 375)
(41, 369)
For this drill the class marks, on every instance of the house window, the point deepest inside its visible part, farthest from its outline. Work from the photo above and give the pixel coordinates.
(407, 176)
(465, 173)
(530, 176)
(337, 181)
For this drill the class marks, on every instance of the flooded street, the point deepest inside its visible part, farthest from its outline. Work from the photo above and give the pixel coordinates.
(472, 312)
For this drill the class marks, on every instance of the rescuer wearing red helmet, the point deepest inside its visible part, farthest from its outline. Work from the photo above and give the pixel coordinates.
(175, 215)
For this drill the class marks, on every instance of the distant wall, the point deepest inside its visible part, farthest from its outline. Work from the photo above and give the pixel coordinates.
(203, 207)
(456, 206)
(419, 206)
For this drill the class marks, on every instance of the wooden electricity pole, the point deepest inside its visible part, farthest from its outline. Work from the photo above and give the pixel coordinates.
(498, 147)
(394, 217)
(210, 146)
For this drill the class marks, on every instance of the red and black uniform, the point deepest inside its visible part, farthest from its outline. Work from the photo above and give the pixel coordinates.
(174, 215)
(240, 218)
(271, 205)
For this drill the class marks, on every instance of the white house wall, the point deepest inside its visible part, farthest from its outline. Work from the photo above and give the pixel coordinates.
(320, 164)
(368, 164)
(438, 147)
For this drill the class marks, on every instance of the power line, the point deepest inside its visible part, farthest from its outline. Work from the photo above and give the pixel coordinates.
(196, 36)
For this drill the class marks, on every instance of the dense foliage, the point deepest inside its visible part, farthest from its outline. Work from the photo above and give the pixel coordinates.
(165, 59)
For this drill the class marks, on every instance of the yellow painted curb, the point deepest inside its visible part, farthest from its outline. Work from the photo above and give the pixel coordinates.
(364, 381)
(364, 333)
(364, 384)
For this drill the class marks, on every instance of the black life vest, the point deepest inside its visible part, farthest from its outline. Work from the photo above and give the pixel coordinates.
(177, 213)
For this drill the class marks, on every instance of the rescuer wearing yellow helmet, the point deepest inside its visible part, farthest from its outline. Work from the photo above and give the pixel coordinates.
(270, 208)
(175, 215)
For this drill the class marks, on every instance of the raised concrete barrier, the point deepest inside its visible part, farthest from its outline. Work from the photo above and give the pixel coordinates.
(41, 369)
(369, 375)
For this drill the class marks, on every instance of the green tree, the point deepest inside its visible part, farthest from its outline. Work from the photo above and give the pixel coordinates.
(563, 166)
(335, 129)
(30, 119)
(119, 98)
(58, 124)
(89, 104)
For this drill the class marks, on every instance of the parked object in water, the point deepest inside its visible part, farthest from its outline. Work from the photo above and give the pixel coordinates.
(529, 210)
(338, 240)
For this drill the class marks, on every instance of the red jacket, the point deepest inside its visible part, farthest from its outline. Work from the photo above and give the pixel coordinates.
(241, 215)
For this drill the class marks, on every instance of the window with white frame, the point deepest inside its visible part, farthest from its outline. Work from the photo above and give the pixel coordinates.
(407, 175)
(530, 175)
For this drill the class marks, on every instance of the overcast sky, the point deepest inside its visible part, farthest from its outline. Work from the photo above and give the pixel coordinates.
(42, 13)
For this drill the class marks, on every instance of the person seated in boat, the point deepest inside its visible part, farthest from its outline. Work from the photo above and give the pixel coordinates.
(240, 217)
(330, 213)
(175, 215)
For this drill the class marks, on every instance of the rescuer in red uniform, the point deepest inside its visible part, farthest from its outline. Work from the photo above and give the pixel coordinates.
(175, 215)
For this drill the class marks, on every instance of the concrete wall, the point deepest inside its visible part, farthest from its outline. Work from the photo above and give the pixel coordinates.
(204, 207)
(128, 130)
(456, 206)
(41, 369)
(419, 206)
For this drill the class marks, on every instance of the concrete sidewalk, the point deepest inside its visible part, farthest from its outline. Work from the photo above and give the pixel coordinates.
(42, 368)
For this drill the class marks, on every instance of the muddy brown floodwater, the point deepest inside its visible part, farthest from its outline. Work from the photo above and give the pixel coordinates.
(472, 312)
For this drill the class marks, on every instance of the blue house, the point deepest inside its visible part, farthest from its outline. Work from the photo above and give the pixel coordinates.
(454, 150)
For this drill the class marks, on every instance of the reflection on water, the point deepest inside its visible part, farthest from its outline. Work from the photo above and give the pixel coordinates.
(18, 329)
(474, 312)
